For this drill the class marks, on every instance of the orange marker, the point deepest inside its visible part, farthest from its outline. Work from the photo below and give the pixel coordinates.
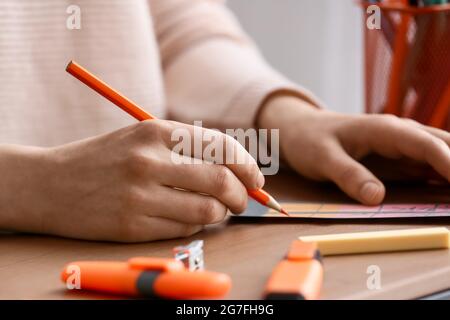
(299, 276)
(140, 114)
(147, 277)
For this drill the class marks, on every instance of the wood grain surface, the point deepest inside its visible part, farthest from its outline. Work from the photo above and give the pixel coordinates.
(247, 250)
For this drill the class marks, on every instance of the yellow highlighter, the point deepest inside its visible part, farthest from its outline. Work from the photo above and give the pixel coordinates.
(381, 241)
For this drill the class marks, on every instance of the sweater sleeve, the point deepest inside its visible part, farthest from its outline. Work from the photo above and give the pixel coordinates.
(212, 70)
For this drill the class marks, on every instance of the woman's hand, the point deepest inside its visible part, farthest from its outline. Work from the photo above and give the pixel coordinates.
(121, 186)
(325, 145)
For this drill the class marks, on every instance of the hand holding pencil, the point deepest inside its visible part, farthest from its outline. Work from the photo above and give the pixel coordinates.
(134, 110)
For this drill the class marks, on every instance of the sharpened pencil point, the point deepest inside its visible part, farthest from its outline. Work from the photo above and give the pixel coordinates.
(284, 212)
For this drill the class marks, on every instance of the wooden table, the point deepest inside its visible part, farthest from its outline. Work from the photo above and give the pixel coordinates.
(247, 250)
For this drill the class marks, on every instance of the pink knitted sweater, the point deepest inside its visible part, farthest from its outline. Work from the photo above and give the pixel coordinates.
(181, 59)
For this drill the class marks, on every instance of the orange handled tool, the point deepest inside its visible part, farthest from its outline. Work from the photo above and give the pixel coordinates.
(140, 114)
(299, 276)
(148, 277)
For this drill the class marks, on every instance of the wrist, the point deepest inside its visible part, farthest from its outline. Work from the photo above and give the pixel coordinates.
(19, 166)
(281, 110)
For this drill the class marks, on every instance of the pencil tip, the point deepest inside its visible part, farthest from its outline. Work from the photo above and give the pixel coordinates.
(284, 212)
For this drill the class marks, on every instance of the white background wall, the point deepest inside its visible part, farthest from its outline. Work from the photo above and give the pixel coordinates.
(317, 43)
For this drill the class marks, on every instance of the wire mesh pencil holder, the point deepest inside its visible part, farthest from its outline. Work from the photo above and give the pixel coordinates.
(407, 63)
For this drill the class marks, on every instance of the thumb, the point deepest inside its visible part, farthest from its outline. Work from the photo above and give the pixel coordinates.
(352, 177)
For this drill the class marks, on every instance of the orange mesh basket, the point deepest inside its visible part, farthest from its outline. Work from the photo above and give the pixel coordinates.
(407, 63)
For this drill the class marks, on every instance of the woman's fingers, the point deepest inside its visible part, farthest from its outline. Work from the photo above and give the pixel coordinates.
(191, 207)
(216, 147)
(352, 177)
(215, 180)
(397, 138)
(182, 206)
(438, 133)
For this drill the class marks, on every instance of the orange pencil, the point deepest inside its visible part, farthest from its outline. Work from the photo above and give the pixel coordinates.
(440, 115)
(140, 114)
(401, 49)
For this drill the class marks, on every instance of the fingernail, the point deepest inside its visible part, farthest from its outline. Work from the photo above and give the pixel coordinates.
(369, 191)
(260, 182)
